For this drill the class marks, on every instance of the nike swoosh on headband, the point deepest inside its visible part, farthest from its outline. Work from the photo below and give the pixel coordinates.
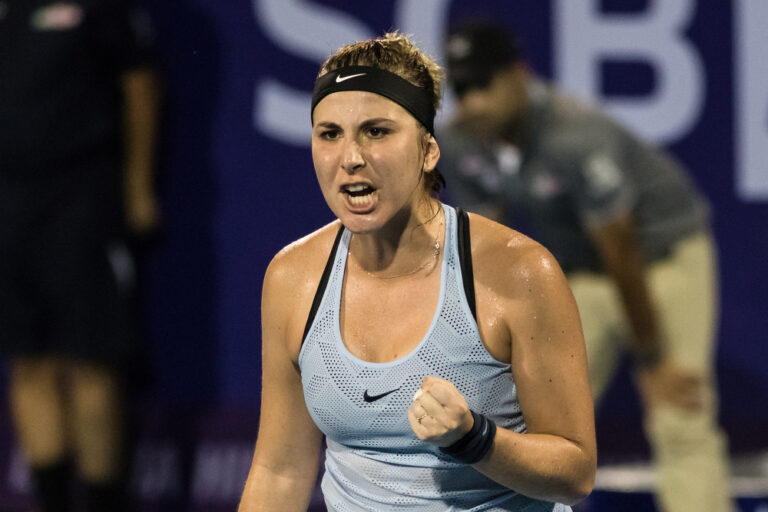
(340, 79)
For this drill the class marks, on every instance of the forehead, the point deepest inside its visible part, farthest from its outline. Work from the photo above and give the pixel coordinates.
(357, 106)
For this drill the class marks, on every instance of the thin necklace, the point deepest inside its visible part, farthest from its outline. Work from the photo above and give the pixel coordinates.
(429, 263)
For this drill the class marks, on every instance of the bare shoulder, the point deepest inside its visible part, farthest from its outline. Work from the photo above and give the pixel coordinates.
(505, 259)
(290, 284)
(303, 259)
(522, 295)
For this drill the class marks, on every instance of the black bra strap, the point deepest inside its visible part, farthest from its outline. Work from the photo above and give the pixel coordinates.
(465, 258)
(322, 284)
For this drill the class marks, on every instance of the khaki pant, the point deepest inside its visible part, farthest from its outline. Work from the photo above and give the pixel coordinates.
(688, 447)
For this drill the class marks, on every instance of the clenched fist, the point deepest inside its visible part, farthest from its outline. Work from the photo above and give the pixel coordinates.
(439, 414)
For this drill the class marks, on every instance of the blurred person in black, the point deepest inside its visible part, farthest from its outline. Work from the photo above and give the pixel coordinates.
(78, 115)
(627, 226)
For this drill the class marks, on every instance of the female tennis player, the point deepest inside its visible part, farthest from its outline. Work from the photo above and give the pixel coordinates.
(439, 353)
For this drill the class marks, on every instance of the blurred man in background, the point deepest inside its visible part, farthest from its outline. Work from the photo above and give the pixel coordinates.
(626, 225)
(78, 105)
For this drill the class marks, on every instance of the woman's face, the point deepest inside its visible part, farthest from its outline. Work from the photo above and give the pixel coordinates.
(369, 153)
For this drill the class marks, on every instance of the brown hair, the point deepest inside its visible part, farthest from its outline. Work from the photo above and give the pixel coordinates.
(394, 52)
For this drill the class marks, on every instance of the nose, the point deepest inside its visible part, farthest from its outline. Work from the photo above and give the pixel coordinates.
(352, 156)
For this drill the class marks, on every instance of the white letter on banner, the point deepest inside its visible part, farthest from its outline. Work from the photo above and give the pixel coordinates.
(309, 31)
(427, 20)
(751, 136)
(584, 38)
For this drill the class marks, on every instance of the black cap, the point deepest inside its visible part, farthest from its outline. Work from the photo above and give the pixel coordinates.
(475, 51)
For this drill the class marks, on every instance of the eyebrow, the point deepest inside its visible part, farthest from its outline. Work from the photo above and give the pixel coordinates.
(377, 120)
(365, 124)
(327, 124)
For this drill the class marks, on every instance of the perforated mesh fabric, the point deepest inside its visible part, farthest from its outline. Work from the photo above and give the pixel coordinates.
(374, 461)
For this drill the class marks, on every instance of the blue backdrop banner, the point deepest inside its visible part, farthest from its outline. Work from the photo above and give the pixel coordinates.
(239, 185)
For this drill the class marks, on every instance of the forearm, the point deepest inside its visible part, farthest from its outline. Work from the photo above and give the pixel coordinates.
(622, 256)
(268, 490)
(638, 306)
(140, 126)
(540, 466)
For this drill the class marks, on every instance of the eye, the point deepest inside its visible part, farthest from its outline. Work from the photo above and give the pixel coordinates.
(330, 134)
(378, 132)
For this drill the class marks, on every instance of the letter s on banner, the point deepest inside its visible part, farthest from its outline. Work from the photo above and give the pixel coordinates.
(313, 31)
(308, 30)
(751, 137)
(584, 37)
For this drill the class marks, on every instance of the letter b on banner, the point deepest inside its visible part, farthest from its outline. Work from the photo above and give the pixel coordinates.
(751, 17)
(585, 37)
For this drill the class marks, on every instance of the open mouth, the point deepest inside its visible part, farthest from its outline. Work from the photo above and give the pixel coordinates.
(359, 194)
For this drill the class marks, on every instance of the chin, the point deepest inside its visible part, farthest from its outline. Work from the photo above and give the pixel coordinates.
(357, 223)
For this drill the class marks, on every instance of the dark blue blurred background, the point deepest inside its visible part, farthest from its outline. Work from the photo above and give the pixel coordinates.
(237, 185)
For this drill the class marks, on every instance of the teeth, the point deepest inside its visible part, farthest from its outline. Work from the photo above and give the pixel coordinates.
(360, 199)
(356, 188)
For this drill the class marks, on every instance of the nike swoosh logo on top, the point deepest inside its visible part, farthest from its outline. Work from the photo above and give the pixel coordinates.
(373, 398)
(339, 78)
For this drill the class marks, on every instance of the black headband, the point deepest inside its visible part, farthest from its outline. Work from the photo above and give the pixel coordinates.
(364, 78)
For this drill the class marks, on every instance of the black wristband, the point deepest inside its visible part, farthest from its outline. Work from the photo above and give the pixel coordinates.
(476, 443)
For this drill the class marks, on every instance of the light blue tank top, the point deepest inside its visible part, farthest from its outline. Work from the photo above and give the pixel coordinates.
(374, 461)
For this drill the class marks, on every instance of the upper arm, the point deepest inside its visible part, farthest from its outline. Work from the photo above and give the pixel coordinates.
(288, 441)
(617, 244)
(599, 179)
(549, 362)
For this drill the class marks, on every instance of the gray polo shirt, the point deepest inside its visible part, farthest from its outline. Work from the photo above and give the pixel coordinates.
(574, 168)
